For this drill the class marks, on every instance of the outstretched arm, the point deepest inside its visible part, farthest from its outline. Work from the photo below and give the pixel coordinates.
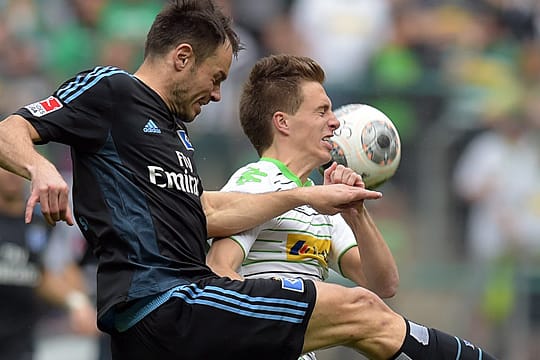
(371, 264)
(229, 213)
(18, 155)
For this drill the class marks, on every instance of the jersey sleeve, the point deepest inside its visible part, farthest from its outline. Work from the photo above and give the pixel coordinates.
(252, 179)
(79, 112)
(343, 239)
(246, 239)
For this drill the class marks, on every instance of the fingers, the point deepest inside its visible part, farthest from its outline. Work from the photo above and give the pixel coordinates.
(334, 198)
(359, 194)
(29, 211)
(68, 218)
(328, 173)
(370, 195)
(358, 199)
(339, 174)
(54, 201)
(66, 215)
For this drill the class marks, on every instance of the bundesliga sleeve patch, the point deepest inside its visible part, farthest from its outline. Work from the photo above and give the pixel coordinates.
(44, 107)
(293, 284)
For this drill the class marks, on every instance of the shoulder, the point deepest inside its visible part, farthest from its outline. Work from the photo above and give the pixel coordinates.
(96, 78)
(253, 178)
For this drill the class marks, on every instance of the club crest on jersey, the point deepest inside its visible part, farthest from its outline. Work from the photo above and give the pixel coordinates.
(44, 107)
(293, 284)
(185, 139)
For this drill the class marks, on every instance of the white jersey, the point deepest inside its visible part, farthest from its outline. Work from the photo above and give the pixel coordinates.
(299, 243)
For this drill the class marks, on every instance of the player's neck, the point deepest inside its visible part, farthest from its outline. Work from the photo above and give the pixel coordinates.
(294, 163)
(150, 75)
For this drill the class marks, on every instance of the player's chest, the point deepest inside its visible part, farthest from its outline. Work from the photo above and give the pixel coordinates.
(156, 147)
(302, 222)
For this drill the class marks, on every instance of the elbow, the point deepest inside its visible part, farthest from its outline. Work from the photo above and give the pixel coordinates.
(215, 230)
(389, 287)
(388, 292)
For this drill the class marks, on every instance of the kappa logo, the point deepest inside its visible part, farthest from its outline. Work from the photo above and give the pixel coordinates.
(251, 175)
(44, 107)
(151, 127)
(293, 284)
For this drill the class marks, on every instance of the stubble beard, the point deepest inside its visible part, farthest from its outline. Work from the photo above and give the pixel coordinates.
(180, 103)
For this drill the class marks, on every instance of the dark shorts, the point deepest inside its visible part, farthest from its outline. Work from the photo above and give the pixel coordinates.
(220, 318)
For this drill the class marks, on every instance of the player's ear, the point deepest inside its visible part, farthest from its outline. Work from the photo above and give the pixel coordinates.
(183, 56)
(281, 122)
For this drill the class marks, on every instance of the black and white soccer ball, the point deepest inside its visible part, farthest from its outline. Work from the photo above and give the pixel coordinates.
(367, 141)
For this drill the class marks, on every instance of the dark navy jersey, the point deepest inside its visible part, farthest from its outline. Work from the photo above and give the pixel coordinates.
(136, 190)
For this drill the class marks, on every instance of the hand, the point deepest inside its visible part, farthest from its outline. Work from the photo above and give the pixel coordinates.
(335, 198)
(52, 192)
(339, 174)
(82, 319)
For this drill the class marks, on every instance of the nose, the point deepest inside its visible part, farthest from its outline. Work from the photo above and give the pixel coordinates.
(215, 95)
(333, 123)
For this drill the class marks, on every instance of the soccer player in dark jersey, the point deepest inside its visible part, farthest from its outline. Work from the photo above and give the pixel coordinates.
(139, 202)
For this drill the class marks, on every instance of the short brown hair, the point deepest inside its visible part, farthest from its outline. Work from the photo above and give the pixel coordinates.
(196, 22)
(274, 85)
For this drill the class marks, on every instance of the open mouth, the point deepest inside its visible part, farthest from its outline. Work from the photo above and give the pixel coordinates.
(327, 141)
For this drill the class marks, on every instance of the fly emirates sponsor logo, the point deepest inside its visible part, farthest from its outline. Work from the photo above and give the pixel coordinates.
(183, 181)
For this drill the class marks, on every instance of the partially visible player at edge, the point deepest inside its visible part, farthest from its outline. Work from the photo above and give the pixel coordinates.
(290, 134)
(139, 201)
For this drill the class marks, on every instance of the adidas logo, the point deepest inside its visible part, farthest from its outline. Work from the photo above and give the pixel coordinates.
(151, 127)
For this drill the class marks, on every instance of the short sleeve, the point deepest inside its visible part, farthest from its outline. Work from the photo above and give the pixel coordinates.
(79, 112)
(343, 239)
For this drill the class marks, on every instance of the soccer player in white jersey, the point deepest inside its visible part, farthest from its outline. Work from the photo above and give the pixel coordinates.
(287, 115)
(301, 242)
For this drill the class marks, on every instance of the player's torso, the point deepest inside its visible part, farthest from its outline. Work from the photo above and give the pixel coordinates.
(136, 191)
(296, 243)
(145, 172)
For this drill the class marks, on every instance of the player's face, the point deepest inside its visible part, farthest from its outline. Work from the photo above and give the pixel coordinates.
(201, 84)
(313, 124)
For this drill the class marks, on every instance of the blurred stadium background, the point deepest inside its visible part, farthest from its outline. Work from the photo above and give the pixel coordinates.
(445, 71)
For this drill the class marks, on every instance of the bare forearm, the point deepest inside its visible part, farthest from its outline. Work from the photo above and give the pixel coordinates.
(226, 272)
(231, 213)
(17, 152)
(224, 257)
(18, 155)
(378, 264)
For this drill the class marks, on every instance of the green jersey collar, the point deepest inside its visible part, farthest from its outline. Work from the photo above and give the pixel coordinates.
(287, 172)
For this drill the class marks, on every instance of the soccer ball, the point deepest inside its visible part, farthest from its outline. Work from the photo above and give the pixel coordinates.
(367, 142)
